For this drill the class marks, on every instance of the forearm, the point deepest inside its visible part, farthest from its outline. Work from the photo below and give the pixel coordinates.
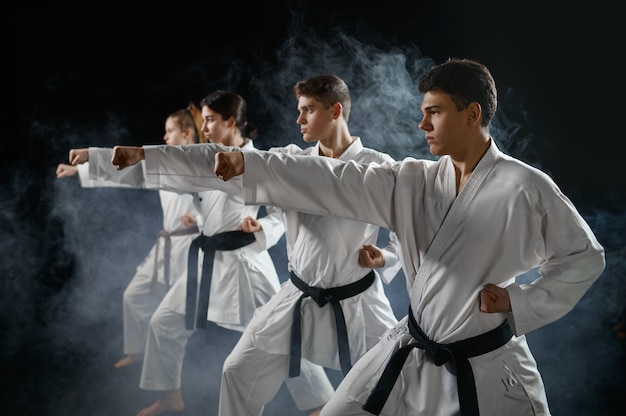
(103, 173)
(186, 168)
(316, 185)
(391, 254)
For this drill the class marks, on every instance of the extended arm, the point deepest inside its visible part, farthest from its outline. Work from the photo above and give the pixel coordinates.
(186, 168)
(316, 185)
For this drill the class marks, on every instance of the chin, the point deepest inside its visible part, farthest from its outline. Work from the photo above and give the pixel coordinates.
(436, 151)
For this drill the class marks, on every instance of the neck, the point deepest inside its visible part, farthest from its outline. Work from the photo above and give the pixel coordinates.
(235, 141)
(335, 146)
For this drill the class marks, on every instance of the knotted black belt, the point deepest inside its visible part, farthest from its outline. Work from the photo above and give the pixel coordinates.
(167, 248)
(323, 296)
(458, 352)
(229, 240)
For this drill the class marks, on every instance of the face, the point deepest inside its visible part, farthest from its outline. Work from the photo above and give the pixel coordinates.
(315, 121)
(215, 129)
(174, 136)
(445, 126)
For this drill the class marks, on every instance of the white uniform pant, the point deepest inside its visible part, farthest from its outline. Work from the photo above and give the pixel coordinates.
(340, 405)
(251, 377)
(165, 350)
(138, 306)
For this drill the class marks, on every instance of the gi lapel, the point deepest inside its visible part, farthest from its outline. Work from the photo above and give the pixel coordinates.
(440, 242)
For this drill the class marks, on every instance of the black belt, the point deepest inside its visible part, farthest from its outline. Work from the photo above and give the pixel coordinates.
(166, 253)
(323, 296)
(229, 240)
(458, 352)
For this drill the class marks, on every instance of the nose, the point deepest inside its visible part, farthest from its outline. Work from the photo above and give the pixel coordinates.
(423, 124)
(301, 119)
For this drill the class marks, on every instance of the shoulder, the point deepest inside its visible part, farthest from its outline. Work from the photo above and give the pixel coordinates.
(515, 170)
(537, 186)
(291, 149)
(367, 155)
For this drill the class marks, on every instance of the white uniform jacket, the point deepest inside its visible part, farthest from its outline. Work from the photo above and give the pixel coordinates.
(508, 219)
(242, 279)
(322, 250)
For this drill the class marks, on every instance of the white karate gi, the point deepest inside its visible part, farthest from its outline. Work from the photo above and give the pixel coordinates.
(139, 299)
(323, 252)
(509, 218)
(242, 279)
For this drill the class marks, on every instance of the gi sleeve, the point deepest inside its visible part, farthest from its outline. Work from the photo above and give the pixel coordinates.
(574, 260)
(187, 168)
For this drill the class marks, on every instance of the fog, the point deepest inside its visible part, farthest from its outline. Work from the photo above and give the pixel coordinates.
(68, 252)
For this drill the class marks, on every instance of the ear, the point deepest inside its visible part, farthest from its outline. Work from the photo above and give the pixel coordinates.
(232, 122)
(474, 111)
(189, 135)
(337, 110)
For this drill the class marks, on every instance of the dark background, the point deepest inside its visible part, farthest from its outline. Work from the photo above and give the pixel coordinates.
(83, 74)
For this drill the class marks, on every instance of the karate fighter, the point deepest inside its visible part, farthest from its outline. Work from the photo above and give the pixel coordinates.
(242, 279)
(468, 224)
(334, 307)
(167, 259)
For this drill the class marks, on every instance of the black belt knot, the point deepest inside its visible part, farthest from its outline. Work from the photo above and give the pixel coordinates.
(322, 296)
(226, 241)
(456, 352)
(439, 353)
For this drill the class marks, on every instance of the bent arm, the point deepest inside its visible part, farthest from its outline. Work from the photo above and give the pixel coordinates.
(574, 261)
(391, 254)
(272, 228)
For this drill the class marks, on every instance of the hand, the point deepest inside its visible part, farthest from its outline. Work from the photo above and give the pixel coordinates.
(371, 257)
(125, 156)
(494, 299)
(64, 171)
(228, 165)
(250, 225)
(78, 156)
(189, 220)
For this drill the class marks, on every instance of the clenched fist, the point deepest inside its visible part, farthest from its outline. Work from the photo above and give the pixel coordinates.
(64, 170)
(229, 164)
(371, 257)
(125, 156)
(78, 156)
(494, 299)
